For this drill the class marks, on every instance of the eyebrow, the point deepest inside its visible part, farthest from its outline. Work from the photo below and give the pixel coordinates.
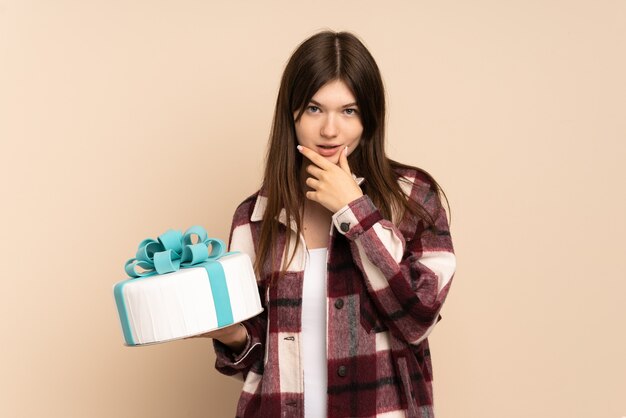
(344, 106)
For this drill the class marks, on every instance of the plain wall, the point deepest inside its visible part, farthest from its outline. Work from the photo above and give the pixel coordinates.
(121, 119)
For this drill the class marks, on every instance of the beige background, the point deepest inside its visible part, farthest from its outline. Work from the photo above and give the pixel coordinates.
(120, 119)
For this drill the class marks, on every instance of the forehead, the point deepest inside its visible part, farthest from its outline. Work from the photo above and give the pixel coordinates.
(334, 93)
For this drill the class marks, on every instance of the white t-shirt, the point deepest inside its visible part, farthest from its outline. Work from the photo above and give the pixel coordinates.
(314, 334)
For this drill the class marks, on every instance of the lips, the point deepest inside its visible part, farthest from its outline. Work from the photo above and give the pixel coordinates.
(328, 150)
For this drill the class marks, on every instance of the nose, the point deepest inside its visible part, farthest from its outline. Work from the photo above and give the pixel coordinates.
(329, 127)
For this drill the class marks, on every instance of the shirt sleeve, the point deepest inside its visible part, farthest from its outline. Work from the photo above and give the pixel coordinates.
(251, 358)
(238, 365)
(407, 279)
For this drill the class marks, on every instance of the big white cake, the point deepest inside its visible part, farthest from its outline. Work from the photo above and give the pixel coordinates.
(187, 302)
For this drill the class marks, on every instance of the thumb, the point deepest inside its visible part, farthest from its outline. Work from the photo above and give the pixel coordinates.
(343, 161)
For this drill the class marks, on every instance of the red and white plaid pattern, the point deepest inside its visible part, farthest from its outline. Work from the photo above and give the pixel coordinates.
(386, 286)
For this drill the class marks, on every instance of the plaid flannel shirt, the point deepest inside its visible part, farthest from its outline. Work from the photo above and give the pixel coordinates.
(385, 288)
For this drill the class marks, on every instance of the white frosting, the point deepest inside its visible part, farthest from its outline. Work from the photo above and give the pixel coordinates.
(180, 304)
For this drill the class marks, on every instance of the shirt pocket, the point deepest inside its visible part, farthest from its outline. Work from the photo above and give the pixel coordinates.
(370, 319)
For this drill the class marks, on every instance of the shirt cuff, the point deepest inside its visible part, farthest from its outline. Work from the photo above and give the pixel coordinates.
(226, 355)
(356, 217)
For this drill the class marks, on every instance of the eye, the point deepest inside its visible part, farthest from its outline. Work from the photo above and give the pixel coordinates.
(313, 109)
(351, 111)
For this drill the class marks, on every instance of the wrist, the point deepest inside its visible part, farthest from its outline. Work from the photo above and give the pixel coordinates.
(236, 339)
(349, 198)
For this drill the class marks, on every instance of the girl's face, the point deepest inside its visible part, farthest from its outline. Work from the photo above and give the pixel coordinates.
(330, 122)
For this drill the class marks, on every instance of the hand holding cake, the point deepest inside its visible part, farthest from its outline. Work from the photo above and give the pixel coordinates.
(234, 337)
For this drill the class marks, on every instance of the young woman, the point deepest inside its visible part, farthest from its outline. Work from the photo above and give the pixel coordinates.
(352, 252)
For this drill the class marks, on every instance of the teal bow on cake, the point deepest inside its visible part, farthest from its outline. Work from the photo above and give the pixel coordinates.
(172, 251)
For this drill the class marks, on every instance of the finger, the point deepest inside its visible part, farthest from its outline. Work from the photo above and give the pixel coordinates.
(315, 171)
(312, 183)
(343, 161)
(315, 157)
(311, 196)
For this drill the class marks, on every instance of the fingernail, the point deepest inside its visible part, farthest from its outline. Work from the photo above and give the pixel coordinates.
(299, 147)
(345, 151)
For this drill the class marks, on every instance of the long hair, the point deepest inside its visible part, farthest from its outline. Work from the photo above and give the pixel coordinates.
(325, 57)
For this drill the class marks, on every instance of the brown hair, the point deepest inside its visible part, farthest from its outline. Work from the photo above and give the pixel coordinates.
(325, 57)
